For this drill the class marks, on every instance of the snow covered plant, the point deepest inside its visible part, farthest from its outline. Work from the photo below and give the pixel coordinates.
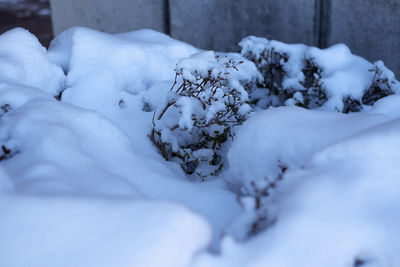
(206, 101)
(383, 84)
(5, 152)
(329, 79)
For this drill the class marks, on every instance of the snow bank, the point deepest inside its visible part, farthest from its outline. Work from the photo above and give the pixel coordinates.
(23, 60)
(58, 147)
(102, 67)
(389, 106)
(61, 148)
(287, 137)
(111, 73)
(91, 232)
(341, 210)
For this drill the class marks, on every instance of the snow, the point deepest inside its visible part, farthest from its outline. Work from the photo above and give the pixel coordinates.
(81, 184)
(104, 69)
(83, 153)
(205, 102)
(65, 148)
(341, 207)
(23, 60)
(90, 232)
(5, 182)
(68, 154)
(341, 71)
(294, 134)
(294, 52)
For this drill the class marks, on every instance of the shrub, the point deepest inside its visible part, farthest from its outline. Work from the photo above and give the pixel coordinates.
(330, 79)
(205, 103)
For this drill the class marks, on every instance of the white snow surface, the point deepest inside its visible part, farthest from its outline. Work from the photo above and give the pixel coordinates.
(5, 182)
(73, 231)
(287, 137)
(82, 185)
(23, 60)
(342, 207)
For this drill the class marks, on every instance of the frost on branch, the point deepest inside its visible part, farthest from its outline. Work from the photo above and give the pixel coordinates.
(205, 103)
(329, 79)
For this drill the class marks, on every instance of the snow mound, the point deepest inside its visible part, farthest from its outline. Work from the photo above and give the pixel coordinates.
(287, 137)
(341, 210)
(23, 60)
(102, 67)
(91, 232)
(116, 75)
(58, 147)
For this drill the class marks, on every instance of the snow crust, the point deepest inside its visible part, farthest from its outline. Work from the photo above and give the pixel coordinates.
(81, 184)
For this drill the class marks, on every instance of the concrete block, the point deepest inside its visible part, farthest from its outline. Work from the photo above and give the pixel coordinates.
(108, 15)
(371, 28)
(218, 25)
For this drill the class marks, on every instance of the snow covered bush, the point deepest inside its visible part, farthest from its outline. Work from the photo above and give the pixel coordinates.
(329, 79)
(205, 103)
(332, 79)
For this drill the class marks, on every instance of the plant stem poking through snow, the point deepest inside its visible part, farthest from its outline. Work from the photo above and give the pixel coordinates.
(6, 153)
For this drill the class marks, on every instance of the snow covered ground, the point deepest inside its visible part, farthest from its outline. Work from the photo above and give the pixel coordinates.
(81, 184)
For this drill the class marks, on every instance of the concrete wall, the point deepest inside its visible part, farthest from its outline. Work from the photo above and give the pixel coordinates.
(371, 28)
(108, 15)
(220, 24)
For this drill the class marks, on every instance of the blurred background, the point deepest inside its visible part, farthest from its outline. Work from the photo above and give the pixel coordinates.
(34, 15)
(371, 28)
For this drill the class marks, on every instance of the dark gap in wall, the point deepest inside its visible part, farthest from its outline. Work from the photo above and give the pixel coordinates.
(167, 17)
(324, 23)
(316, 22)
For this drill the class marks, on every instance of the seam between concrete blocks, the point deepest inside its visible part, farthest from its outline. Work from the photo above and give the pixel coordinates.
(322, 22)
(167, 17)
